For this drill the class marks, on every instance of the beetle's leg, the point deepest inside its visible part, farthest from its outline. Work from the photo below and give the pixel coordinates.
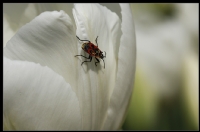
(104, 63)
(82, 40)
(83, 56)
(96, 41)
(97, 61)
(90, 57)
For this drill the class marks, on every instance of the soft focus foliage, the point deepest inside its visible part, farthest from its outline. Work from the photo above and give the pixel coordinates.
(165, 95)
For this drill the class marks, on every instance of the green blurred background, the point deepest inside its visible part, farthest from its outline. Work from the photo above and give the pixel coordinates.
(165, 94)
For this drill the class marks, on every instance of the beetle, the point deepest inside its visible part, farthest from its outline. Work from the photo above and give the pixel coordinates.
(93, 51)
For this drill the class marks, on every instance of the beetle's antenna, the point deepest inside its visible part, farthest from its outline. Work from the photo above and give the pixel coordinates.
(104, 63)
(96, 41)
(82, 40)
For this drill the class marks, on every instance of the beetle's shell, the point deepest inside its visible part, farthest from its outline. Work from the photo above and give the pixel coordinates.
(91, 49)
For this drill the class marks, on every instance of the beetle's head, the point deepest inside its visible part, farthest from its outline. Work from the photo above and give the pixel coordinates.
(101, 55)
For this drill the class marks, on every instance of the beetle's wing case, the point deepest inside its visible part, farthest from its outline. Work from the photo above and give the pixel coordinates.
(85, 46)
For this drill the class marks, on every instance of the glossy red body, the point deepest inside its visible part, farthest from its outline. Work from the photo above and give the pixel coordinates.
(92, 49)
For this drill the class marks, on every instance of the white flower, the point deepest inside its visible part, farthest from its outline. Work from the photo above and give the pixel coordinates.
(45, 86)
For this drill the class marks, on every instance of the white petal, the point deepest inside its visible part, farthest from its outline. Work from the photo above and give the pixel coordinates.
(114, 7)
(96, 83)
(125, 72)
(67, 7)
(36, 98)
(16, 15)
(49, 39)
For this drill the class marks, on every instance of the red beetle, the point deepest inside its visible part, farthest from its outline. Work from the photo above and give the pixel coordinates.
(92, 50)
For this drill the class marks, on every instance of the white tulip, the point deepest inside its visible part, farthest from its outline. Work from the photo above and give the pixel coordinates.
(45, 86)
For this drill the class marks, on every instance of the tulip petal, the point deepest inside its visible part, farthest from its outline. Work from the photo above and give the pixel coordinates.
(66, 7)
(18, 14)
(125, 72)
(37, 98)
(96, 83)
(49, 39)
